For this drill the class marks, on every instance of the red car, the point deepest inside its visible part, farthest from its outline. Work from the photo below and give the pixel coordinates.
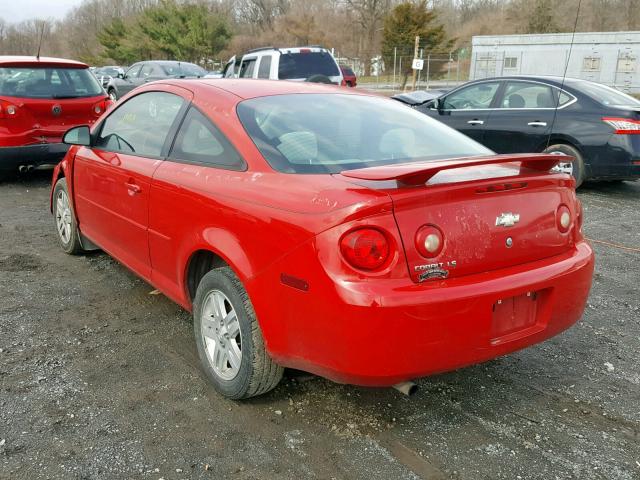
(349, 78)
(371, 248)
(40, 99)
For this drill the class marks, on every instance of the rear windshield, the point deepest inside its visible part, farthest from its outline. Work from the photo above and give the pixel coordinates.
(306, 64)
(346, 132)
(607, 95)
(52, 82)
(183, 70)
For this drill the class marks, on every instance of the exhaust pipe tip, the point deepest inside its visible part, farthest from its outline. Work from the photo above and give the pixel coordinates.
(30, 168)
(22, 168)
(406, 388)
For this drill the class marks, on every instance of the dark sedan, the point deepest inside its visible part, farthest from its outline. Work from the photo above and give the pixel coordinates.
(596, 124)
(148, 71)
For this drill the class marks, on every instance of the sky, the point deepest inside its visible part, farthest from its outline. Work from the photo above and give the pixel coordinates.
(12, 11)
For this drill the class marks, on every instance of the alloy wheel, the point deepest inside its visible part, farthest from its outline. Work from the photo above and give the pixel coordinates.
(220, 330)
(63, 216)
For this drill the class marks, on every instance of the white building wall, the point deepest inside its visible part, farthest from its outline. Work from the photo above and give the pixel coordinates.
(612, 58)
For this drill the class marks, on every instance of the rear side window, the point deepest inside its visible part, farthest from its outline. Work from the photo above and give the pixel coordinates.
(200, 141)
(48, 82)
(140, 126)
(265, 67)
(246, 69)
(306, 64)
(527, 95)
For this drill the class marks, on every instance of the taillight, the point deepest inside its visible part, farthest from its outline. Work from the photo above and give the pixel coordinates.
(623, 126)
(429, 241)
(7, 110)
(563, 218)
(365, 248)
(102, 106)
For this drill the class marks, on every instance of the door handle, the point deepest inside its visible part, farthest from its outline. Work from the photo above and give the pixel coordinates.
(476, 122)
(537, 124)
(133, 188)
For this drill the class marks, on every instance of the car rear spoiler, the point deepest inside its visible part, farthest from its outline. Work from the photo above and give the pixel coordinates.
(417, 173)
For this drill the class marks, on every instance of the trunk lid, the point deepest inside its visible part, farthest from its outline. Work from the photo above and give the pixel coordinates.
(47, 119)
(478, 204)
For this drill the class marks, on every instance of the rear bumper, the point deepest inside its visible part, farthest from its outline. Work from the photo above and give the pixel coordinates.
(41, 154)
(379, 333)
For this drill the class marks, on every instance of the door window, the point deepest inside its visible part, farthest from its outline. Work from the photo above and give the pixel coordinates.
(140, 125)
(473, 97)
(133, 71)
(246, 69)
(264, 70)
(147, 71)
(200, 141)
(528, 95)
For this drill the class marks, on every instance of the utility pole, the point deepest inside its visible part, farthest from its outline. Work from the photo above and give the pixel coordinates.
(415, 55)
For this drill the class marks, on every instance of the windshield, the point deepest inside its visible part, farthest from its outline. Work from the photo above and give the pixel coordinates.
(55, 82)
(607, 95)
(183, 70)
(346, 132)
(306, 64)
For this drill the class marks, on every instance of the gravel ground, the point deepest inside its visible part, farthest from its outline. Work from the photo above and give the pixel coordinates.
(100, 380)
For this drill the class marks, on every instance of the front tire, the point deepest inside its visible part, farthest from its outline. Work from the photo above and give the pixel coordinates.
(113, 95)
(65, 219)
(229, 339)
(575, 168)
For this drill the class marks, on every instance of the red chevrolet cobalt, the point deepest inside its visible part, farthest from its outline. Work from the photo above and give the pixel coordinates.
(370, 246)
(40, 99)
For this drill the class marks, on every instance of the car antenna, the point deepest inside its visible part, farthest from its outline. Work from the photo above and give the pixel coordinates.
(40, 43)
(564, 75)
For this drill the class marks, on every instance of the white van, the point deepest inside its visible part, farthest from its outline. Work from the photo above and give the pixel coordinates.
(303, 64)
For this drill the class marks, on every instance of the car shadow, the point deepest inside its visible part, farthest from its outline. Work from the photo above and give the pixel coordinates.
(624, 188)
(38, 177)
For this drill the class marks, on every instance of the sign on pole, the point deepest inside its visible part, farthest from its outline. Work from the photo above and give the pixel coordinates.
(418, 64)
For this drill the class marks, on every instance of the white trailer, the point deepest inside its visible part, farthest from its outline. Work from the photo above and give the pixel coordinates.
(605, 57)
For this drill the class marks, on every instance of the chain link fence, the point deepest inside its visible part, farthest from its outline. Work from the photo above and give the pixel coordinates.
(440, 70)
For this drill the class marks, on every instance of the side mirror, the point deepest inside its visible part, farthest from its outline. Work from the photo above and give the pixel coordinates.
(121, 75)
(78, 136)
(438, 104)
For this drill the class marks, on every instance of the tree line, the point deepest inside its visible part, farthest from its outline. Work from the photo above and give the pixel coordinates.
(124, 31)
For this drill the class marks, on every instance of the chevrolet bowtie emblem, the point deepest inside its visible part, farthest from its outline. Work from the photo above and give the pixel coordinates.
(507, 219)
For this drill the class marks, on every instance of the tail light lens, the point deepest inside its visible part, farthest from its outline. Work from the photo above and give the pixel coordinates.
(7, 110)
(365, 248)
(429, 241)
(563, 218)
(102, 106)
(623, 126)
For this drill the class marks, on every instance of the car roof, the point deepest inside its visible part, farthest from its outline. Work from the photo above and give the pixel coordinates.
(252, 88)
(27, 61)
(554, 79)
(166, 62)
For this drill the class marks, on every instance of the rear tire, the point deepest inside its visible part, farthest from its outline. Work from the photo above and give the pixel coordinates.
(65, 219)
(575, 168)
(229, 339)
(113, 95)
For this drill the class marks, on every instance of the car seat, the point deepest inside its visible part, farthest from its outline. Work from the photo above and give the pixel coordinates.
(544, 100)
(516, 101)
